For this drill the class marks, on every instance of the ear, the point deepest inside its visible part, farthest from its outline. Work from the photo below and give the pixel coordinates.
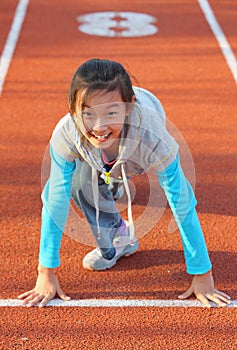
(131, 105)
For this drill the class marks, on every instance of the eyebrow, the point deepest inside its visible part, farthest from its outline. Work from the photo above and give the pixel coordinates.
(112, 105)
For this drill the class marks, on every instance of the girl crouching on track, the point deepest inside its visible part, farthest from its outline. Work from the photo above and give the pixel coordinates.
(113, 131)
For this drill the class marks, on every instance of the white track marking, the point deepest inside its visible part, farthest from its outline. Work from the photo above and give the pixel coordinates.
(92, 303)
(220, 37)
(117, 24)
(5, 61)
(6, 57)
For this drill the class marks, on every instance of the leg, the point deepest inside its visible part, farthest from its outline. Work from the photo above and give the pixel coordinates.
(109, 218)
(110, 247)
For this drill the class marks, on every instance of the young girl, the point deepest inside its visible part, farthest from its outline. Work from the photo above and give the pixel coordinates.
(113, 131)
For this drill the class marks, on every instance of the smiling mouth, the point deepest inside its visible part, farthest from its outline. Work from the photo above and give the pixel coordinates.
(102, 137)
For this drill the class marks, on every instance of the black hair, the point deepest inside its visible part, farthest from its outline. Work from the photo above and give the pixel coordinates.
(97, 74)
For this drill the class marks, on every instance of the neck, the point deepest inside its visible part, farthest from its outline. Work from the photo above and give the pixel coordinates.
(107, 161)
(112, 152)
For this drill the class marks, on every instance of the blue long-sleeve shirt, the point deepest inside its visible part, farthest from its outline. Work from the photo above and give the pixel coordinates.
(182, 202)
(179, 193)
(56, 204)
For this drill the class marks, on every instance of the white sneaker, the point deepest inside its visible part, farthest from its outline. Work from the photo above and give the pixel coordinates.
(122, 243)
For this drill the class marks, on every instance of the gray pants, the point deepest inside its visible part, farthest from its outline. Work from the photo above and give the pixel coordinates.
(82, 194)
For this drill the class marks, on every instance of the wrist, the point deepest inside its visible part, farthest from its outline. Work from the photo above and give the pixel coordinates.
(45, 270)
(208, 273)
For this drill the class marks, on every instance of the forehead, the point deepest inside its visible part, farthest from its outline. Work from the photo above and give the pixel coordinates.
(100, 98)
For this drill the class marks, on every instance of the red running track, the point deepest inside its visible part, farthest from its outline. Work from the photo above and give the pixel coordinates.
(183, 65)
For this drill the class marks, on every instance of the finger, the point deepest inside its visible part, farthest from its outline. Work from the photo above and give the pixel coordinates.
(186, 294)
(35, 300)
(29, 298)
(215, 300)
(62, 295)
(203, 300)
(226, 300)
(46, 300)
(23, 295)
(223, 294)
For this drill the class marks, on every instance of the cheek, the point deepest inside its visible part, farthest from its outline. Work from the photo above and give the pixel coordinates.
(82, 127)
(87, 125)
(117, 128)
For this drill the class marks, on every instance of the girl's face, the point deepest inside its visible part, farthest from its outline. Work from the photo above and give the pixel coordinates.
(103, 119)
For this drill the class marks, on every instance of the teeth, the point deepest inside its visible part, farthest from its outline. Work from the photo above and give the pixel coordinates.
(102, 137)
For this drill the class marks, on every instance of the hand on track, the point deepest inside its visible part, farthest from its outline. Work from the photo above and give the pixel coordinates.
(47, 286)
(203, 288)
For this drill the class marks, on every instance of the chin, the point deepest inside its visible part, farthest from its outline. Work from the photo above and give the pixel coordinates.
(102, 145)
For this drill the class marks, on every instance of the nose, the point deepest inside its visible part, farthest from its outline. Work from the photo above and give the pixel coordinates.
(99, 125)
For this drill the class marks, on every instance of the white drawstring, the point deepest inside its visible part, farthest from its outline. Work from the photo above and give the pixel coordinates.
(95, 191)
(130, 219)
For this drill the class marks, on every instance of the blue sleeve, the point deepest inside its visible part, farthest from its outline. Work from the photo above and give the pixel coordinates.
(182, 202)
(56, 204)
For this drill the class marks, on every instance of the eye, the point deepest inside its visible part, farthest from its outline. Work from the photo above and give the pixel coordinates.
(87, 114)
(112, 114)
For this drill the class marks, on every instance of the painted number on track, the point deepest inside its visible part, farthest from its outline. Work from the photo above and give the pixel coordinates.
(117, 24)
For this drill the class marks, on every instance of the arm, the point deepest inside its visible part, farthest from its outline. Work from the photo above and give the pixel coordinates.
(56, 203)
(182, 202)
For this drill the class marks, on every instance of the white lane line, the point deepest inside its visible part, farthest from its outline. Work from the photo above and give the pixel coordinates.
(220, 37)
(116, 303)
(6, 57)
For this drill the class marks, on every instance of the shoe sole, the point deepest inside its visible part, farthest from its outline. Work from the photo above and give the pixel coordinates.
(112, 262)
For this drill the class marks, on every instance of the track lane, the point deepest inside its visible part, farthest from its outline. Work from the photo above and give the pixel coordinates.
(7, 10)
(226, 12)
(184, 66)
(126, 329)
